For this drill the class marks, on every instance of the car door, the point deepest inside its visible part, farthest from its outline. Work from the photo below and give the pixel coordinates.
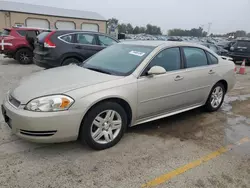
(85, 44)
(200, 76)
(163, 93)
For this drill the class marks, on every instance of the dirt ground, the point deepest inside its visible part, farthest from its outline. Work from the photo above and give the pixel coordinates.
(146, 152)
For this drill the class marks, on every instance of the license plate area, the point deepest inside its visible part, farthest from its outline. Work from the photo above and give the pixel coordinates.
(6, 118)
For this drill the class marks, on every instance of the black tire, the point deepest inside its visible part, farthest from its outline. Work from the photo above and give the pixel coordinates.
(208, 106)
(24, 56)
(69, 61)
(86, 126)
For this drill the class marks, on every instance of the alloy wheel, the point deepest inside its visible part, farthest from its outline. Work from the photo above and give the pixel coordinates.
(106, 126)
(24, 57)
(216, 97)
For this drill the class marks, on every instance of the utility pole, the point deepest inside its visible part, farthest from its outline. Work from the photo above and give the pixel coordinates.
(209, 26)
(201, 26)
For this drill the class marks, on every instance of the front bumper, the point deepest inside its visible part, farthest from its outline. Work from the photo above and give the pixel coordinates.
(42, 127)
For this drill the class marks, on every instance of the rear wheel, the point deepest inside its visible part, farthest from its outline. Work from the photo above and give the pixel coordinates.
(70, 61)
(103, 126)
(24, 56)
(215, 98)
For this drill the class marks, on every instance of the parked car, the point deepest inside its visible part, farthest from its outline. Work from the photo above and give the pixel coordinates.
(216, 49)
(18, 43)
(63, 47)
(127, 84)
(240, 50)
(226, 44)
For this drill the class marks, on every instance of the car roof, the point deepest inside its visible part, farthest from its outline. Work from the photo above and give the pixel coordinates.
(156, 43)
(65, 32)
(77, 30)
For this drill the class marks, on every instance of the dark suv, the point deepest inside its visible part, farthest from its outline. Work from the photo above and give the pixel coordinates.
(240, 50)
(63, 47)
(217, 49)
(18, 43)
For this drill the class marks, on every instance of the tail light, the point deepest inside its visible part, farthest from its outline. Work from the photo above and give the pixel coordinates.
(47, 42)
(6, 42)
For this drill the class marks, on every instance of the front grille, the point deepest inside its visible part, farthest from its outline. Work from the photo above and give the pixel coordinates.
(37, 133)
(14, 101)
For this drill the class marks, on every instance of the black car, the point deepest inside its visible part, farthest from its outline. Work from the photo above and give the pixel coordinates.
(63, 47)
(217, 49)
(226, 44)
(240, 50)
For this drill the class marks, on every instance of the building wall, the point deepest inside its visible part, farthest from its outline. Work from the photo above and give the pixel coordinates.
(19, 18)
(4, 20)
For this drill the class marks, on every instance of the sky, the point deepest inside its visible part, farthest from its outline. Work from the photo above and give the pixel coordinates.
(225, 15)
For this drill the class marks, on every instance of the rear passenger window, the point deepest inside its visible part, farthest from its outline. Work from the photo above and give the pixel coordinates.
(67, 38)
(22, 32)
(212, 59)
(195, 57)
(31, 34)
(83, 38)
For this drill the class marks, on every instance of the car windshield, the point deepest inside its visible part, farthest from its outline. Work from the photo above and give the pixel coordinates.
(119, 59)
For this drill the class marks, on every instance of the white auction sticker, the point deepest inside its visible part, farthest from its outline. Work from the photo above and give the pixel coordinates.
(137, 53)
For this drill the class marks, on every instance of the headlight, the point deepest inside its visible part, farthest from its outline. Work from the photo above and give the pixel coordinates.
(51, 103)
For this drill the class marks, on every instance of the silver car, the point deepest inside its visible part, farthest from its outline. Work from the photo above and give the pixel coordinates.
(127, 84)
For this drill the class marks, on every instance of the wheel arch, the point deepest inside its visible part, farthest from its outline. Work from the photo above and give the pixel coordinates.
(72, 55)
(124, 104)
(225, 84)
(23, 47)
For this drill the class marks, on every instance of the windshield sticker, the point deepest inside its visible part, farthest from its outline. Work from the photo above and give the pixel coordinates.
(140, 54)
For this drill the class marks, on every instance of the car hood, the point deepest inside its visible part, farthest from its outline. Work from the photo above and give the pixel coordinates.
(57, 81)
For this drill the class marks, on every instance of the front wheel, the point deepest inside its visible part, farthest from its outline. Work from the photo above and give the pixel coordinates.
(215, 98)
(103, 126)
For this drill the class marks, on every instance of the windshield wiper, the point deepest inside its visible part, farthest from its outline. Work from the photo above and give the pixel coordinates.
(98, 70)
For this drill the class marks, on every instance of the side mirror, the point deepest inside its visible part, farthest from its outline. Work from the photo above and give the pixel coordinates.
(156, 70)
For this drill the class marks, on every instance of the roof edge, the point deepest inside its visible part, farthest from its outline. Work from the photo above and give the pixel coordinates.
(81, 18)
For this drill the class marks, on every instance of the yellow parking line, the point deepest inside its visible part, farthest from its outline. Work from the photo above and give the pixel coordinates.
(165, 177)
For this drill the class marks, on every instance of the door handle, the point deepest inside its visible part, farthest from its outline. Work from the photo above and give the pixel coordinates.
(211, 72)
(178, 78)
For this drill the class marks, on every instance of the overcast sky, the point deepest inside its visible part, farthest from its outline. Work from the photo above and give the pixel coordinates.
(225, 15)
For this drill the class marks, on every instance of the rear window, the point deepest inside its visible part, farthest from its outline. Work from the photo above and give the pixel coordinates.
(28, 33)
(243, 44)
(41, 37)
(5, 32)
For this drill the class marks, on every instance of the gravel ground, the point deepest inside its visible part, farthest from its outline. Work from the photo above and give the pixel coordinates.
(146, 151)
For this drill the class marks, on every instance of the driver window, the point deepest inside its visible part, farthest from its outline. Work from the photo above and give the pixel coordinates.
(169, 59)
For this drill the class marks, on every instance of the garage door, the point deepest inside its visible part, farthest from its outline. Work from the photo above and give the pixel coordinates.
(65, 25)
(40, 23)
(90, 27)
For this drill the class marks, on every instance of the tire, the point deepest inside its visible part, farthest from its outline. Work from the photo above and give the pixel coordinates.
(70, 61)
(209, 104)
(24, 56)
(89, 129)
